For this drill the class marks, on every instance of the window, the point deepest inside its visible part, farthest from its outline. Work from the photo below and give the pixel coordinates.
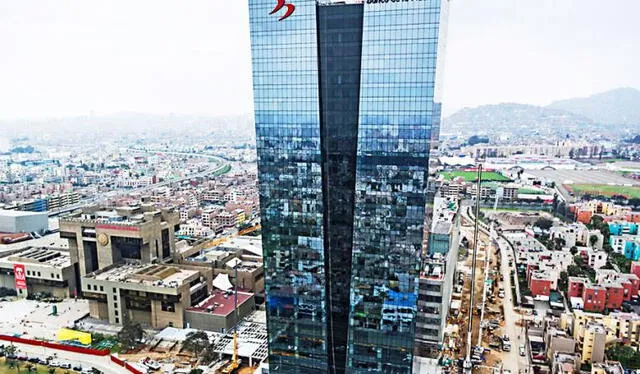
(168, 306)
(52, 275)
(116, 313)
(114, 290)
(39, 274)
(115, 297)
(58, 276)
(101, 288)
(117, 320)
(115, 305)
(95, 288)
(28, 272)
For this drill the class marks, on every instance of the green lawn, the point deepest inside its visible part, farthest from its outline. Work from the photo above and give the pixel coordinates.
(605, 190)
(471, 176)
(5, 368)
(530, 191)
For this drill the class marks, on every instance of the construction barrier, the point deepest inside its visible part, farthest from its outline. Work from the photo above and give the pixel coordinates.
(62, 347)
(126, 365)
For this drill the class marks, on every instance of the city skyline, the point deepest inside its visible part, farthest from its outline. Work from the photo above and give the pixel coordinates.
(93, 51)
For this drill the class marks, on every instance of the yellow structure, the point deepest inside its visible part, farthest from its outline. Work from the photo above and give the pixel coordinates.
(72, 335)
(592, 331)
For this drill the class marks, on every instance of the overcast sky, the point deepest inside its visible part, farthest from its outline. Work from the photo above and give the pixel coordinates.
(74, 57)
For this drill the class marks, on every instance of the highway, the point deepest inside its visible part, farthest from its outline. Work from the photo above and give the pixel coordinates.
(221, 164)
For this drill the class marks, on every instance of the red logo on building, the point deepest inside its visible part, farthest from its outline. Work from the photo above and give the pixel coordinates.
(20, 276)
(280, 5)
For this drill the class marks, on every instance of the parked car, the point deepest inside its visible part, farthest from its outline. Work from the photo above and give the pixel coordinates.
(77, 368)
(522, 350)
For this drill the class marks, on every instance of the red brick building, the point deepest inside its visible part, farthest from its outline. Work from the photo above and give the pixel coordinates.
(576, 286)
(539, 285)
(635, 268)
(594, 298)
(615, 296)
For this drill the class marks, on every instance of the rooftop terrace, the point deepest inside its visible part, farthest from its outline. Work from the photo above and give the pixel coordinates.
(150, 275)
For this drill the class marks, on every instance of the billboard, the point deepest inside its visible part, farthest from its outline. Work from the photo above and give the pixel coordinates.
(20, 276)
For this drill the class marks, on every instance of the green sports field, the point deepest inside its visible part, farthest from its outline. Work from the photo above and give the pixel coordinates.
(471, 176)
(604, 189)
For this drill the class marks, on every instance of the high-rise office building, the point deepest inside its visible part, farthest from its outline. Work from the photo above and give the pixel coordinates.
(346, 97)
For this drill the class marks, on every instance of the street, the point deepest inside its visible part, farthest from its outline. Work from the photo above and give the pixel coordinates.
(103, 364)
(511, 360)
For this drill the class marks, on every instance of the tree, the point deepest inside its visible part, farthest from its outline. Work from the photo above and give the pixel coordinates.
(559, 243)
(627, 356)
(593, 239)
(209, 355)
(475, 139)
(574, 250)
(578, 260)
(10, 350)
(130, 334)
(544, 223)
(196, 342)
(563, 282)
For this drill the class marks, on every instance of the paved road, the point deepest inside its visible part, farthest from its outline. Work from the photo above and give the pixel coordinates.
(511, 360)
(103, 364)
(221, 164)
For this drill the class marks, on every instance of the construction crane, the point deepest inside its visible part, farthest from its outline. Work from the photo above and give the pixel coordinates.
(233, 365)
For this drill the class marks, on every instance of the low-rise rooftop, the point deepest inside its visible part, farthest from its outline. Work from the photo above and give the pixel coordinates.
(221, 302)
(40, 255)
(150, 275)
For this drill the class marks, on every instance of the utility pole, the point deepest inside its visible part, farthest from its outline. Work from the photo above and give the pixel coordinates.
(467, 362)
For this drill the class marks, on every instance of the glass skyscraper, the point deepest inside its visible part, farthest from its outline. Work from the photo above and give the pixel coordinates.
(345, 103)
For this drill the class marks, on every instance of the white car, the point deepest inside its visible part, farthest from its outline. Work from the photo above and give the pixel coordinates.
(522, 350)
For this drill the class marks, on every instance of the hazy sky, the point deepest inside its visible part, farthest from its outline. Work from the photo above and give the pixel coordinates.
(72, 57)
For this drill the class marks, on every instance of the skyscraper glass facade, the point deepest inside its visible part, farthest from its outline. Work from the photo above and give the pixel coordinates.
(344, 107)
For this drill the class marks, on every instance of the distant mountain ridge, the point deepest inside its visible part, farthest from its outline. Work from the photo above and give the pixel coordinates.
(616, 107)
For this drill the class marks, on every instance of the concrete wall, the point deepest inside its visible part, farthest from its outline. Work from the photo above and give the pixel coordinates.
(204, 321)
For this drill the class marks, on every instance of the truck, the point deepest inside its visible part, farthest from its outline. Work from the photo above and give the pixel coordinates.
(506, 346)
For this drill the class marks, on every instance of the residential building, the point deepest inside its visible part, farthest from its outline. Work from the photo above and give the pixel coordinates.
(565, 363)
(607, 367)
(628, 245)
(558, 341)
(346, 95)
(593, 257)
(618, 326)
(591, 346)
